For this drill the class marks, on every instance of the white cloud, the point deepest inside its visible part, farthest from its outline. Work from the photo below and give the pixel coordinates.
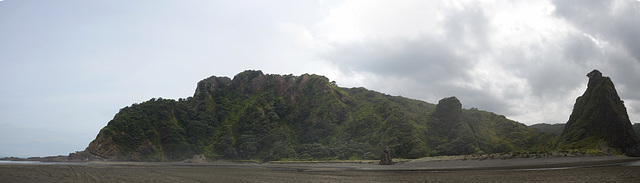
(516, 52)
(361, 20)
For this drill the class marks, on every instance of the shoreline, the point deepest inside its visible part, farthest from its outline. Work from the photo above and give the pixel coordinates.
(468, 165)
(545, 169)
(423, 164)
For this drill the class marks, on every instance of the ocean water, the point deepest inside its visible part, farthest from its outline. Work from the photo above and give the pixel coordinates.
(636, 163)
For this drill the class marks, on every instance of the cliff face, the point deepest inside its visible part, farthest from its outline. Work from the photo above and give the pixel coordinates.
(599, 119)
(450, 124)
(271, 117)
(253, 115)
(459, 131)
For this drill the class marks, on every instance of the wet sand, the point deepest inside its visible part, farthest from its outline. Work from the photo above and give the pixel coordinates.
(558, 169)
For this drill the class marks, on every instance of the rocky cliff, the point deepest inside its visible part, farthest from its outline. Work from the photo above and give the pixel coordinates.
(599, 120)
(272, 117)
(462, 131)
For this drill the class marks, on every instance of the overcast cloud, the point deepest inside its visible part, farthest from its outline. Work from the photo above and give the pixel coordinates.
(66, 67)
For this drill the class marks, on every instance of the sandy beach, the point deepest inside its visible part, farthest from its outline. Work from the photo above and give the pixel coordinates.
(550, 169)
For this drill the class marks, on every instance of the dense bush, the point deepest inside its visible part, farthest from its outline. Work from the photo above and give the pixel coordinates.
(272, 117)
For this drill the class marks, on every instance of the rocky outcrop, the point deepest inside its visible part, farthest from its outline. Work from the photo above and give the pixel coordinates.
(452, 125)
(385, 157)
(104, 147)
(599, 120)
(211, 84)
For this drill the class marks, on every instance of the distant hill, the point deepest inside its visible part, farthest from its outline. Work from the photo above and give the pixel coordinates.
(272, 117)
(599, 120)
(555, 129)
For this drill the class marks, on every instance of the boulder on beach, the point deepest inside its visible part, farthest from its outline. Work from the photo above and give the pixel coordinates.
(385, 158)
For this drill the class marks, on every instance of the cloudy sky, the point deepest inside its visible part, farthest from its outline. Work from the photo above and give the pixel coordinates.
(68, 66)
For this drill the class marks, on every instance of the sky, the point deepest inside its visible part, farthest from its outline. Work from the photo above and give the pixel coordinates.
(68, 66)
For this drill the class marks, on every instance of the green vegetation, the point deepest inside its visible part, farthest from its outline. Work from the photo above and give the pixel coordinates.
(599, 120)
(636, 129)
(262, 117)
(556, 129)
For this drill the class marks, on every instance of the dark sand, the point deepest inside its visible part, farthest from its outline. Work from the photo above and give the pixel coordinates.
(558, 169)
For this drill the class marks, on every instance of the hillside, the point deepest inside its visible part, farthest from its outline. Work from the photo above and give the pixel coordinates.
(271, 117)
(636, 129)
(599, 120)
(555, 129)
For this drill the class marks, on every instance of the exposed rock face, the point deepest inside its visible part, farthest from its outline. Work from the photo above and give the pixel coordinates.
(211, 84)
(104, 147)
(449, 109)
(451, 124)
(599, 119)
